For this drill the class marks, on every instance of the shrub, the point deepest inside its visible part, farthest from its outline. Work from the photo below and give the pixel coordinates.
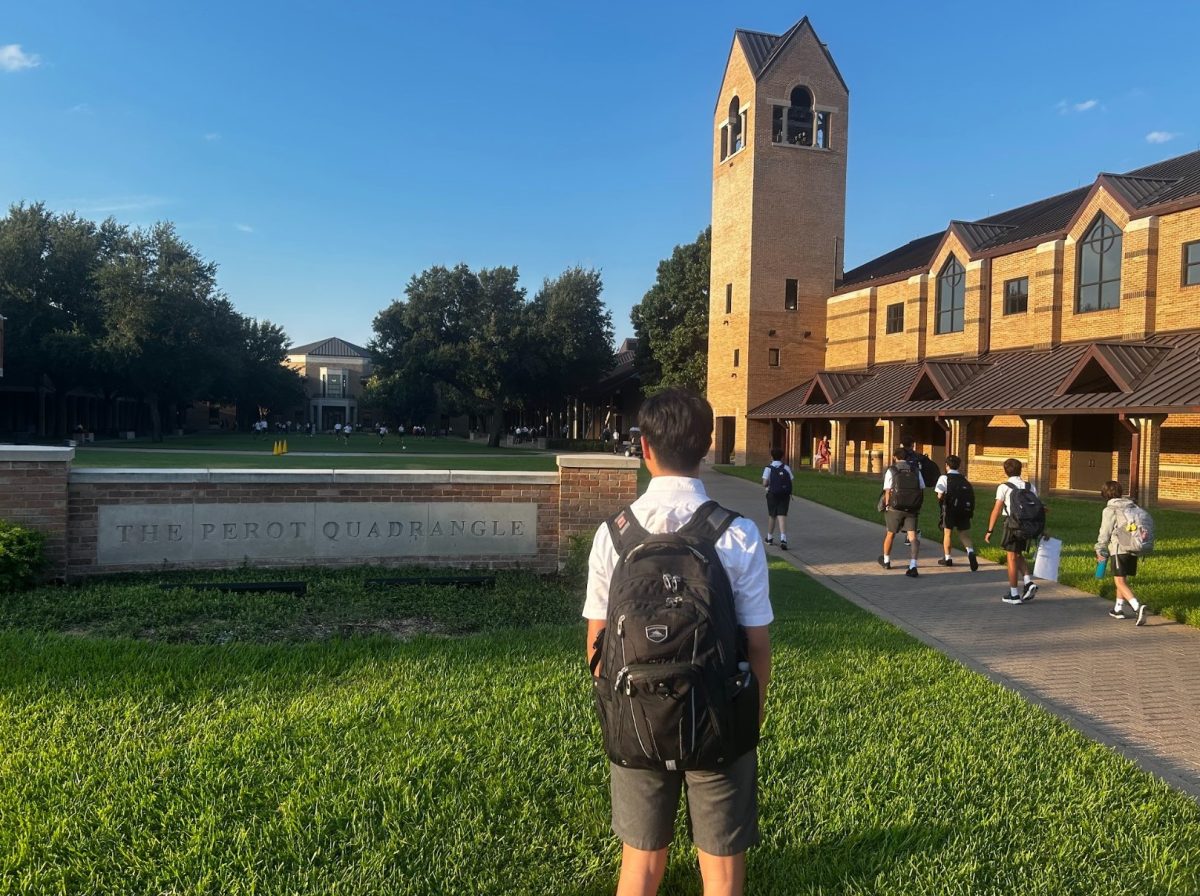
(21, 556)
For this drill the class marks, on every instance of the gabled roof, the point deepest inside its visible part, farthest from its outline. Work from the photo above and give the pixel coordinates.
(1141, 191)
(943, 378)
(828, 386)
(330, 348)
(762, 49)
(1158, 375)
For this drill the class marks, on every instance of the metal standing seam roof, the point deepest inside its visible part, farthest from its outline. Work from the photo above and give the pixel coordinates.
(330, 348)
(1160, 374)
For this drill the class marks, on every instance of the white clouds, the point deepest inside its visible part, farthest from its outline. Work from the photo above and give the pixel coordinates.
(80, 109)
(1065, 108)
(113, 205)
(13, 58)
(244, 228)
(1160, 136)
(212, 137)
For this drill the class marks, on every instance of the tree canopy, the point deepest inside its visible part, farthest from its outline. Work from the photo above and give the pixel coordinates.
(671, 321)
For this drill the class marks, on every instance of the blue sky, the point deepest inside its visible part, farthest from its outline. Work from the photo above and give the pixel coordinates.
(323, 153)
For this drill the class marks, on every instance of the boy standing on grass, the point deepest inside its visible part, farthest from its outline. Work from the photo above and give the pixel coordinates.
(676, 433)
(1021, 586)
(956, 501)
(777, 480)
(1109, 546)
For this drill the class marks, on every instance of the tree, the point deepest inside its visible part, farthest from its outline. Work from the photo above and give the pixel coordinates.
(671, 321)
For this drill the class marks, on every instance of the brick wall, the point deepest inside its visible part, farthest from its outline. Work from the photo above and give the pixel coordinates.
(591, 489)
(33, 493)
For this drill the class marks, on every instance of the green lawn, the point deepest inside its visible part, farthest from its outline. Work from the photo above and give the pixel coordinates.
(495, 459)
(190, 742)
(298, 441)
(1168, 579)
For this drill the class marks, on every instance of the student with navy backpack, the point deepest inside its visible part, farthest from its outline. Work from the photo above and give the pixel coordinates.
(777, 480)
(956, 502)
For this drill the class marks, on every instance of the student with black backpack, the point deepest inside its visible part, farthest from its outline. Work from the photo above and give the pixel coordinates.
(956, 502)
(1024, 523)
(777, 480)
(903, 494)
(678, 608)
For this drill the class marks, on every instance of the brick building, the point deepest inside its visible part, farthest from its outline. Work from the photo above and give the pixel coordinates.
(334, 371)
(1060, 332)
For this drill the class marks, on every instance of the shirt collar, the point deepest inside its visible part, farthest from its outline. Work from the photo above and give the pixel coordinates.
(676, 484)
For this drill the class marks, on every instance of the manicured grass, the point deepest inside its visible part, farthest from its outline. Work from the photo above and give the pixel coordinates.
(471, 765)
(1168, 579)
(496, 459)
(298, 441)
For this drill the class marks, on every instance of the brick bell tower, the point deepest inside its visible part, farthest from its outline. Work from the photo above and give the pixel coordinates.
(778, 227)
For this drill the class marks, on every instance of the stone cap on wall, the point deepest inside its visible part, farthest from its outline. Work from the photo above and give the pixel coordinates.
(35, 454)
(598, 461)
(309, 477)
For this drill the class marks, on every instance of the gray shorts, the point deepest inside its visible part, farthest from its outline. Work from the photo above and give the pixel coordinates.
(722, 807)
(895, 520)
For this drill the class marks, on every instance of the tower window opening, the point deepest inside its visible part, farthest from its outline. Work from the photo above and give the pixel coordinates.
(789, 295)
(773, 357)
(728, 298)
(737, 357)
(734, 130)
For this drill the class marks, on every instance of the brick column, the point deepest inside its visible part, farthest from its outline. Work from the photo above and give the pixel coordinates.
(1140, 275)
(33, 493)
(959, 441)
(837, 446)
(891, 438)
(591, 488)
(1149, 442)
(1037, 470)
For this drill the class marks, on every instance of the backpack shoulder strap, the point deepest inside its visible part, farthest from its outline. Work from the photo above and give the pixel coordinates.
(709, 522)
(625, 531)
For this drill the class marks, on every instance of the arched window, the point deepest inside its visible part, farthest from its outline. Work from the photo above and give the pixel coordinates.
(733, 132)
(1100, 267)
(951, 297)
(800, 123)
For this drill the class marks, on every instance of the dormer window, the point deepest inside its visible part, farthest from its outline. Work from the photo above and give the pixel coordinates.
(734, 131)
(1100, 267)
(800, 123)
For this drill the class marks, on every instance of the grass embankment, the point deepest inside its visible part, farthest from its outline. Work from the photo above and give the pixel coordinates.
(1168, 579)
(235, 744)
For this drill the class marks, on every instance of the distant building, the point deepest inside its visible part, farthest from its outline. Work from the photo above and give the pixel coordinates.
(613, 401)
(334, 371)
(1061, 332)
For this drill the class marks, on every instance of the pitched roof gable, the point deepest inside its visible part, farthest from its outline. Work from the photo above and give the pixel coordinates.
(762, 49)
(332, 347)
(1111, 367)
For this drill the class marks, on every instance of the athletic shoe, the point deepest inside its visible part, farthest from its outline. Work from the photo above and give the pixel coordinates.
(770, 541)
(1117, 614)
(1029, 593)
(973, 560)
(944, 561)
(1009, 599)
(783, 545)
(911, 572)
(886, 564)
(1141, 617)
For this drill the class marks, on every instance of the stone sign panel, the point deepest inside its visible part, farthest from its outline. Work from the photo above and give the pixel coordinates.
(181, 533)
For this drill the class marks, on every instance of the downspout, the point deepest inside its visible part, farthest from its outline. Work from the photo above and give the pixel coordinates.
(937, 418)
(1135, 447)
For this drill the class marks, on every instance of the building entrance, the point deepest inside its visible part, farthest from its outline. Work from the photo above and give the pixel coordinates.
(1091, 452)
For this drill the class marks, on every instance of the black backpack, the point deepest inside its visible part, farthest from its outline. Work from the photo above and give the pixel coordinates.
(907, 494)
(959, 499)
(929, 469)
(676, 691)
(778, 481)
(1026, 512)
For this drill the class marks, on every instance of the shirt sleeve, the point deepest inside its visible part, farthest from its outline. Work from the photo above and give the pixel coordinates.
(887, 478)
(741, 550)
(942, 485)
(1108, 520)
(766, 474)
(601, 563)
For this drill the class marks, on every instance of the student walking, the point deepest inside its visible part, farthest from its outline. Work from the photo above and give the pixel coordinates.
(777, 480)
(956, 505)
(1024, 522)
(722, 803)
(1121, 540)
(903, 495)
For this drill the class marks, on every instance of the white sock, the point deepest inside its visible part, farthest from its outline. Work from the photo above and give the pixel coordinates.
(887, 559)
(1013, 591)
(947, 556)
(912, 564)
(1135, 603)
(969, 551)
(1028, 579)
(1120, 605)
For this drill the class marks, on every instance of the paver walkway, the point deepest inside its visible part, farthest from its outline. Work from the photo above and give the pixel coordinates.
(1134, 689)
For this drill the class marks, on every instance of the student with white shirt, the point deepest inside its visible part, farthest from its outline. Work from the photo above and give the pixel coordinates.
(952, 496)
(676, 433)
(1021, 586)
(903, 494)
(779, 496)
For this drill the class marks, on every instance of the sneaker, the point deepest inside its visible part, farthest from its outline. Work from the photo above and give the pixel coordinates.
(1009, 599)
(911, 572)
(1118, 614)
(1029, 593)
(770, 540)
(973, 560)
(783, 545)
(886, 564)
(1141, 616)
(945, 561)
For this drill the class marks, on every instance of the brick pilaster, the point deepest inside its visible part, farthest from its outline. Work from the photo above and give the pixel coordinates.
(33, 493)
(1037, 468)
(591, 488)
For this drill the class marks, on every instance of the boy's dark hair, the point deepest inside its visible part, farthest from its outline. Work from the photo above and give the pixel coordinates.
(776, 454)
(907, 443)
(953, 461)
(678, 425)
(1112, 489)
(1012, 467)
(900, 453)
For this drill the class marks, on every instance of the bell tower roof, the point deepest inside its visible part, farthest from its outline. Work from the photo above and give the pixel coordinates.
(762, 49)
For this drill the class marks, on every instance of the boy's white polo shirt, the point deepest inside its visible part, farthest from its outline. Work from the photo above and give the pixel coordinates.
(667, 505)
(1004, 493)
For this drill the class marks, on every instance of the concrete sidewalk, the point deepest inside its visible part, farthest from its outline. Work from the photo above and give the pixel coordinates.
(1135, 689)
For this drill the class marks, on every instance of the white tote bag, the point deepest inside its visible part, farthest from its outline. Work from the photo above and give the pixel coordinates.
(1045, 565)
